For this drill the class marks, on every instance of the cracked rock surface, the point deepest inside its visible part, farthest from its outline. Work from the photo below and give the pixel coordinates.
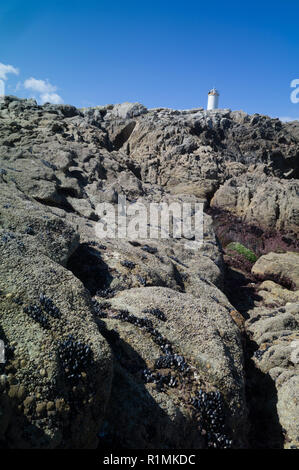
(85, 320)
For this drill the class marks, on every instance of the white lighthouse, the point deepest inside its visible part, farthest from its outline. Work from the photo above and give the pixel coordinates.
(213, 97)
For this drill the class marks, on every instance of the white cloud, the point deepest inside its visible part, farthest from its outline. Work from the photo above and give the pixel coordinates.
(6, 69)
(45, 89)
(41, 86)
(51, 98)
(288, 119)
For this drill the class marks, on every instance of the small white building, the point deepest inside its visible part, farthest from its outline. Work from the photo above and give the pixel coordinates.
(213, 97)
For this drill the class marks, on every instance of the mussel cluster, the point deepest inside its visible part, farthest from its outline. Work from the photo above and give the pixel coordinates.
(210, 405)
(49, 306)
(35, 312)
(141, 322)
(164, 344)
(106, 293)
(98, 309)
(172, 361)
(29, 230)
(156, 312)
(148, 326)
(211, 408)
(260, 352)
(160, 380)
(134, 243)
(167, 361)
(74, 357)
(149, 249)
(128, 264)
(141, 279)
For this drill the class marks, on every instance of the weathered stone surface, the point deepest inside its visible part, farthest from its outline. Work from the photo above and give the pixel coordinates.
(287, 407)
(273, 293)
(276, 333)
(283, 267)
(57, 163)
(201, 330)
(35, 246)
(126, 110)
(263, 201)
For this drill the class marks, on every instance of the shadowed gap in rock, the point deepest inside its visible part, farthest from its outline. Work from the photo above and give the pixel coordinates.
(88, 266)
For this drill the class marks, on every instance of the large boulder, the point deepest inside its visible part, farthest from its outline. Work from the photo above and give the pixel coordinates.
(127, 110)
(203, 333)
(57, 377)
(280, 267)
(273, 293)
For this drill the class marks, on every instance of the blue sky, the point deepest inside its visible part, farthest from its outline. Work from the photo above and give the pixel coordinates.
(160, 53)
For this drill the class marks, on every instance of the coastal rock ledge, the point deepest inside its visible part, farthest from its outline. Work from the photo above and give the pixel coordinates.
(147, 343)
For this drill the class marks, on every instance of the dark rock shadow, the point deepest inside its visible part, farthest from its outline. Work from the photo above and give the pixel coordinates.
(239, 293)
(19, 432)
(265, 430)
(87, 265)
(121, 138)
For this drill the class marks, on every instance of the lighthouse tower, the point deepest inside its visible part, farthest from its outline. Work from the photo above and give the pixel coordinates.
(213, 97)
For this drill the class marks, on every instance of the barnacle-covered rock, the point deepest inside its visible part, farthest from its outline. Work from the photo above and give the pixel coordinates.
(41, 303)
(197, 345)
(51, 365)
(275, 334)
(158, 302)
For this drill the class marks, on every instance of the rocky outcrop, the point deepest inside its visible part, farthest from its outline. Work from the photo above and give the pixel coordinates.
(191, 329)
(64, 376)
(273, 293)
(126, 341)
(283, 267)
(49, 333)
(265, 202)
